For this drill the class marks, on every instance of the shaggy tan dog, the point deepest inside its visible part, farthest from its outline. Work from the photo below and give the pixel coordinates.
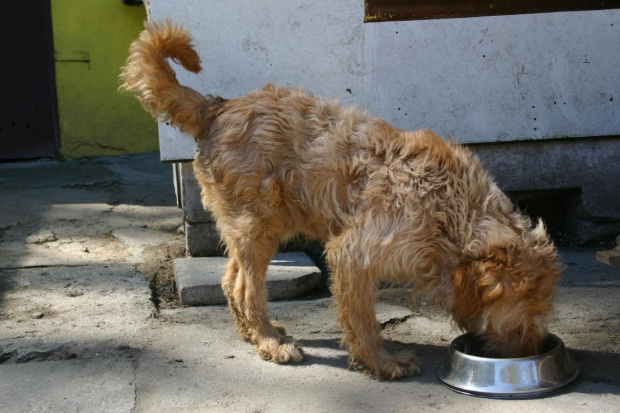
(389, 205)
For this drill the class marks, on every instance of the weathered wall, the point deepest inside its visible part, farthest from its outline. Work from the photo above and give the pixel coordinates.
(482, 79)
(91, 42)
(583, 173)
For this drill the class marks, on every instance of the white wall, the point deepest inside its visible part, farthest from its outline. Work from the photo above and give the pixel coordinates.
(482, 79)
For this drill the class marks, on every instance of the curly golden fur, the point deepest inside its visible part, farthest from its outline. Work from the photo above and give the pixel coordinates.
(389, 205)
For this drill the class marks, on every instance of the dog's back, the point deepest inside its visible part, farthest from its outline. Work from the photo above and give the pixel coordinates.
(319, 164)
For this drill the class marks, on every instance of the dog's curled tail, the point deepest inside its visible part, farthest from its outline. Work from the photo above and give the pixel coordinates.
(149, 75)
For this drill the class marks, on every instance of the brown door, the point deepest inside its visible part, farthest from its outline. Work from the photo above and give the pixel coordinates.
(28, 121)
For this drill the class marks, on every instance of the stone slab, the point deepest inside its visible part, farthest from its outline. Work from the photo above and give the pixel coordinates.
(137, 239)
(44, 309)
(198, 280)
(95, 385)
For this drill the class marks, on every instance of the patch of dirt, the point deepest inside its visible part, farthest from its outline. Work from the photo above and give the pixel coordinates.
(158, 268)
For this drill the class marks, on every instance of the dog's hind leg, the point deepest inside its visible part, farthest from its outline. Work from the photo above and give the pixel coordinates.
(244, 286)
(228, 285)
(355, 288)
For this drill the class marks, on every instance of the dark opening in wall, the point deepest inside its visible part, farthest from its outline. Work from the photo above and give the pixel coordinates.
(561, 211)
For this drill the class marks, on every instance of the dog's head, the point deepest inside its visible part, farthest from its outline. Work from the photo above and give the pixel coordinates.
(504, 287)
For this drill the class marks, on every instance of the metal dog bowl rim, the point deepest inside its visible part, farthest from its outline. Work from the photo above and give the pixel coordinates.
(525, 394)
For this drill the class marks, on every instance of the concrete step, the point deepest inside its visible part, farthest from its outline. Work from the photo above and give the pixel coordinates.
(198, 279)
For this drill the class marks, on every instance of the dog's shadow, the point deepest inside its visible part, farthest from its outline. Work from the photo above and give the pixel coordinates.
(429, 356)
(596, 366)
(337, 361)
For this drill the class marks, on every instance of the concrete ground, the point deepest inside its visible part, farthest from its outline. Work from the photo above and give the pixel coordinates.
(80, 328)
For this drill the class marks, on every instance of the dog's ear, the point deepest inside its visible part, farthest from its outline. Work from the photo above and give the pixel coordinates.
(479, 281)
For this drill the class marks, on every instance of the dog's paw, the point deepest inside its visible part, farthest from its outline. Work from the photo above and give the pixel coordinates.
(401, 364)
(282, 352)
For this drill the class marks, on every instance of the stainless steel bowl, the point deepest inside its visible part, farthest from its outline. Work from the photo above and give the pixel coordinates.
(467, 371)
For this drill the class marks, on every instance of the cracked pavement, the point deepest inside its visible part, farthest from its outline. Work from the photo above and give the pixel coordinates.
(80, 329)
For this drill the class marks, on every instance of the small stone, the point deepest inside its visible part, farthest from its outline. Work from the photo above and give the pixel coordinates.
(37, 315)
(611, 258)
(42, 237)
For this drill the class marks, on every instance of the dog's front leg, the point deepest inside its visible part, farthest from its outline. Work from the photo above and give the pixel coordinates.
(355, 289)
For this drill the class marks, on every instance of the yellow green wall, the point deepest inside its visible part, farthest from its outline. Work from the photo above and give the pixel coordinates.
(91, 43)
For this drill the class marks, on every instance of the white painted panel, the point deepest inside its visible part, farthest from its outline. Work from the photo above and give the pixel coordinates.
(478, 79)
(174, 145)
